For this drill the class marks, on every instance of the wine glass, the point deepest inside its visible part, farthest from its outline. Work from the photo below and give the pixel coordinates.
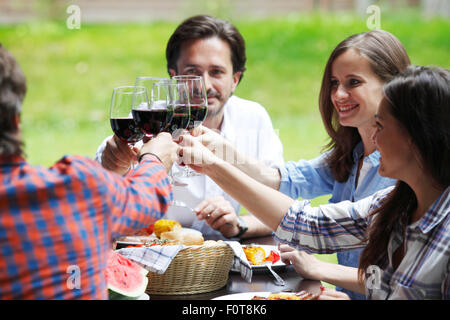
(155, 116)
(124, 99)
(197, 97)
(178, 96)
(199, 107)
(147, 83)
(175, 96)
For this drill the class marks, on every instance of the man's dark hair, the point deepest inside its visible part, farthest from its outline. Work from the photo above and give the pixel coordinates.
(12, 91)
(203, 27)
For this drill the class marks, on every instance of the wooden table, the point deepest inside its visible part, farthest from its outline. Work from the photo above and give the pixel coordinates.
(262, 281)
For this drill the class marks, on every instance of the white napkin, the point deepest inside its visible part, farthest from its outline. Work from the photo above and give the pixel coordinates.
(155, 259)
(240, 262)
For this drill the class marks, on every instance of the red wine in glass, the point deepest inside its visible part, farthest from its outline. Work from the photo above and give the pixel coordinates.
(152, 121)
(198, 115)
(180, 119)
(126, 129)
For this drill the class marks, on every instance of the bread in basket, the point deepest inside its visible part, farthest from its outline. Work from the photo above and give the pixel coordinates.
(195, 269)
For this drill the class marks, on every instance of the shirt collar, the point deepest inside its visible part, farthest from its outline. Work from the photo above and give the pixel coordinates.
(224, 128)
(436, 213)
(358, 152)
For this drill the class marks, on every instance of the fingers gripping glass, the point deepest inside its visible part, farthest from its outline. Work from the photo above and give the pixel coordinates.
(199, 106)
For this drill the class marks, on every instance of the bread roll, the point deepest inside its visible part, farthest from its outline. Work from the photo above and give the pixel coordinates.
(172, 235)
(188, 239)
(164, 225)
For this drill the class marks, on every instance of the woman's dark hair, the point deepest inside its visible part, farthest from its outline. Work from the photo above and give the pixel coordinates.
(203, 27)
(419, 99)
(387, 57)
(12, 92)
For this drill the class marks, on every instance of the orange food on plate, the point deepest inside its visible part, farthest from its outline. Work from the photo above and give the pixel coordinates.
(273, 257)
(302, 295)
(256, 255)
(283, 296)
(164, 225)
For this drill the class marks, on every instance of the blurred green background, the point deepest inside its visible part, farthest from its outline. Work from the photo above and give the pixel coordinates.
(71, 73)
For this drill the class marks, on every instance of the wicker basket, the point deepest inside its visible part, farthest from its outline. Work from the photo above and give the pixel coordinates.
(195, 269)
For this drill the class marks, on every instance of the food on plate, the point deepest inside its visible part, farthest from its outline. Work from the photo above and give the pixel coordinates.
(164, 225)
(273, 257)
(186, 238)
(302, 295)
(257, 255)
(125, 279)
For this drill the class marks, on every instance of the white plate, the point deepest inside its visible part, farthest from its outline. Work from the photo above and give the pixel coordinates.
(144, 297)
(267, 250)
(250, 295)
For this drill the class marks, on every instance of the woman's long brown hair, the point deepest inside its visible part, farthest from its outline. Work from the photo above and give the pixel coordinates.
(387, 57)
(419, 99)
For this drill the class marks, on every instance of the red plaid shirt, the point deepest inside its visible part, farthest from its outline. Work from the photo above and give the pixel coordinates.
(57, 224)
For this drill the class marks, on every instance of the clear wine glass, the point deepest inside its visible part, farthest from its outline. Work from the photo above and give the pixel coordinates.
(124, 99)
(199, 107)
(174, 96)
(148, 82)
(178, 96)
(155, 117)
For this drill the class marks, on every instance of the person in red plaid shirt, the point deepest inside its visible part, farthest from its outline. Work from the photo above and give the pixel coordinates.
(57, 224)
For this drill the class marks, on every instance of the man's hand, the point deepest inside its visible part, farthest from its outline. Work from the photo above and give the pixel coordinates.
(219, 214)
(163, 147)
(118, 156)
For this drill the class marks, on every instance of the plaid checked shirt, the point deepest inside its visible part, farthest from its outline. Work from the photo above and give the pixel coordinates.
(57, 224)
(424, 272)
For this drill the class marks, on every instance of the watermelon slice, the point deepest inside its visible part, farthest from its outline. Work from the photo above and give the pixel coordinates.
(126, 280)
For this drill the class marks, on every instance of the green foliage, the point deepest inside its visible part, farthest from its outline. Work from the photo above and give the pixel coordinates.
(71, 73)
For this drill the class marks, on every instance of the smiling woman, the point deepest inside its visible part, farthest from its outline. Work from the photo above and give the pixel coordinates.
(404, 228)
(350, 93)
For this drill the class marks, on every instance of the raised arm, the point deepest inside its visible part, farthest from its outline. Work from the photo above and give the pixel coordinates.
(224, 150)
(264, 202)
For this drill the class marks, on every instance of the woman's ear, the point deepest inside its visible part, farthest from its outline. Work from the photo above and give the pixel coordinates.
(172, 72)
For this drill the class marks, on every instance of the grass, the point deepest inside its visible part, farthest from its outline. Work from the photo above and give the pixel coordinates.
(71, 73)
